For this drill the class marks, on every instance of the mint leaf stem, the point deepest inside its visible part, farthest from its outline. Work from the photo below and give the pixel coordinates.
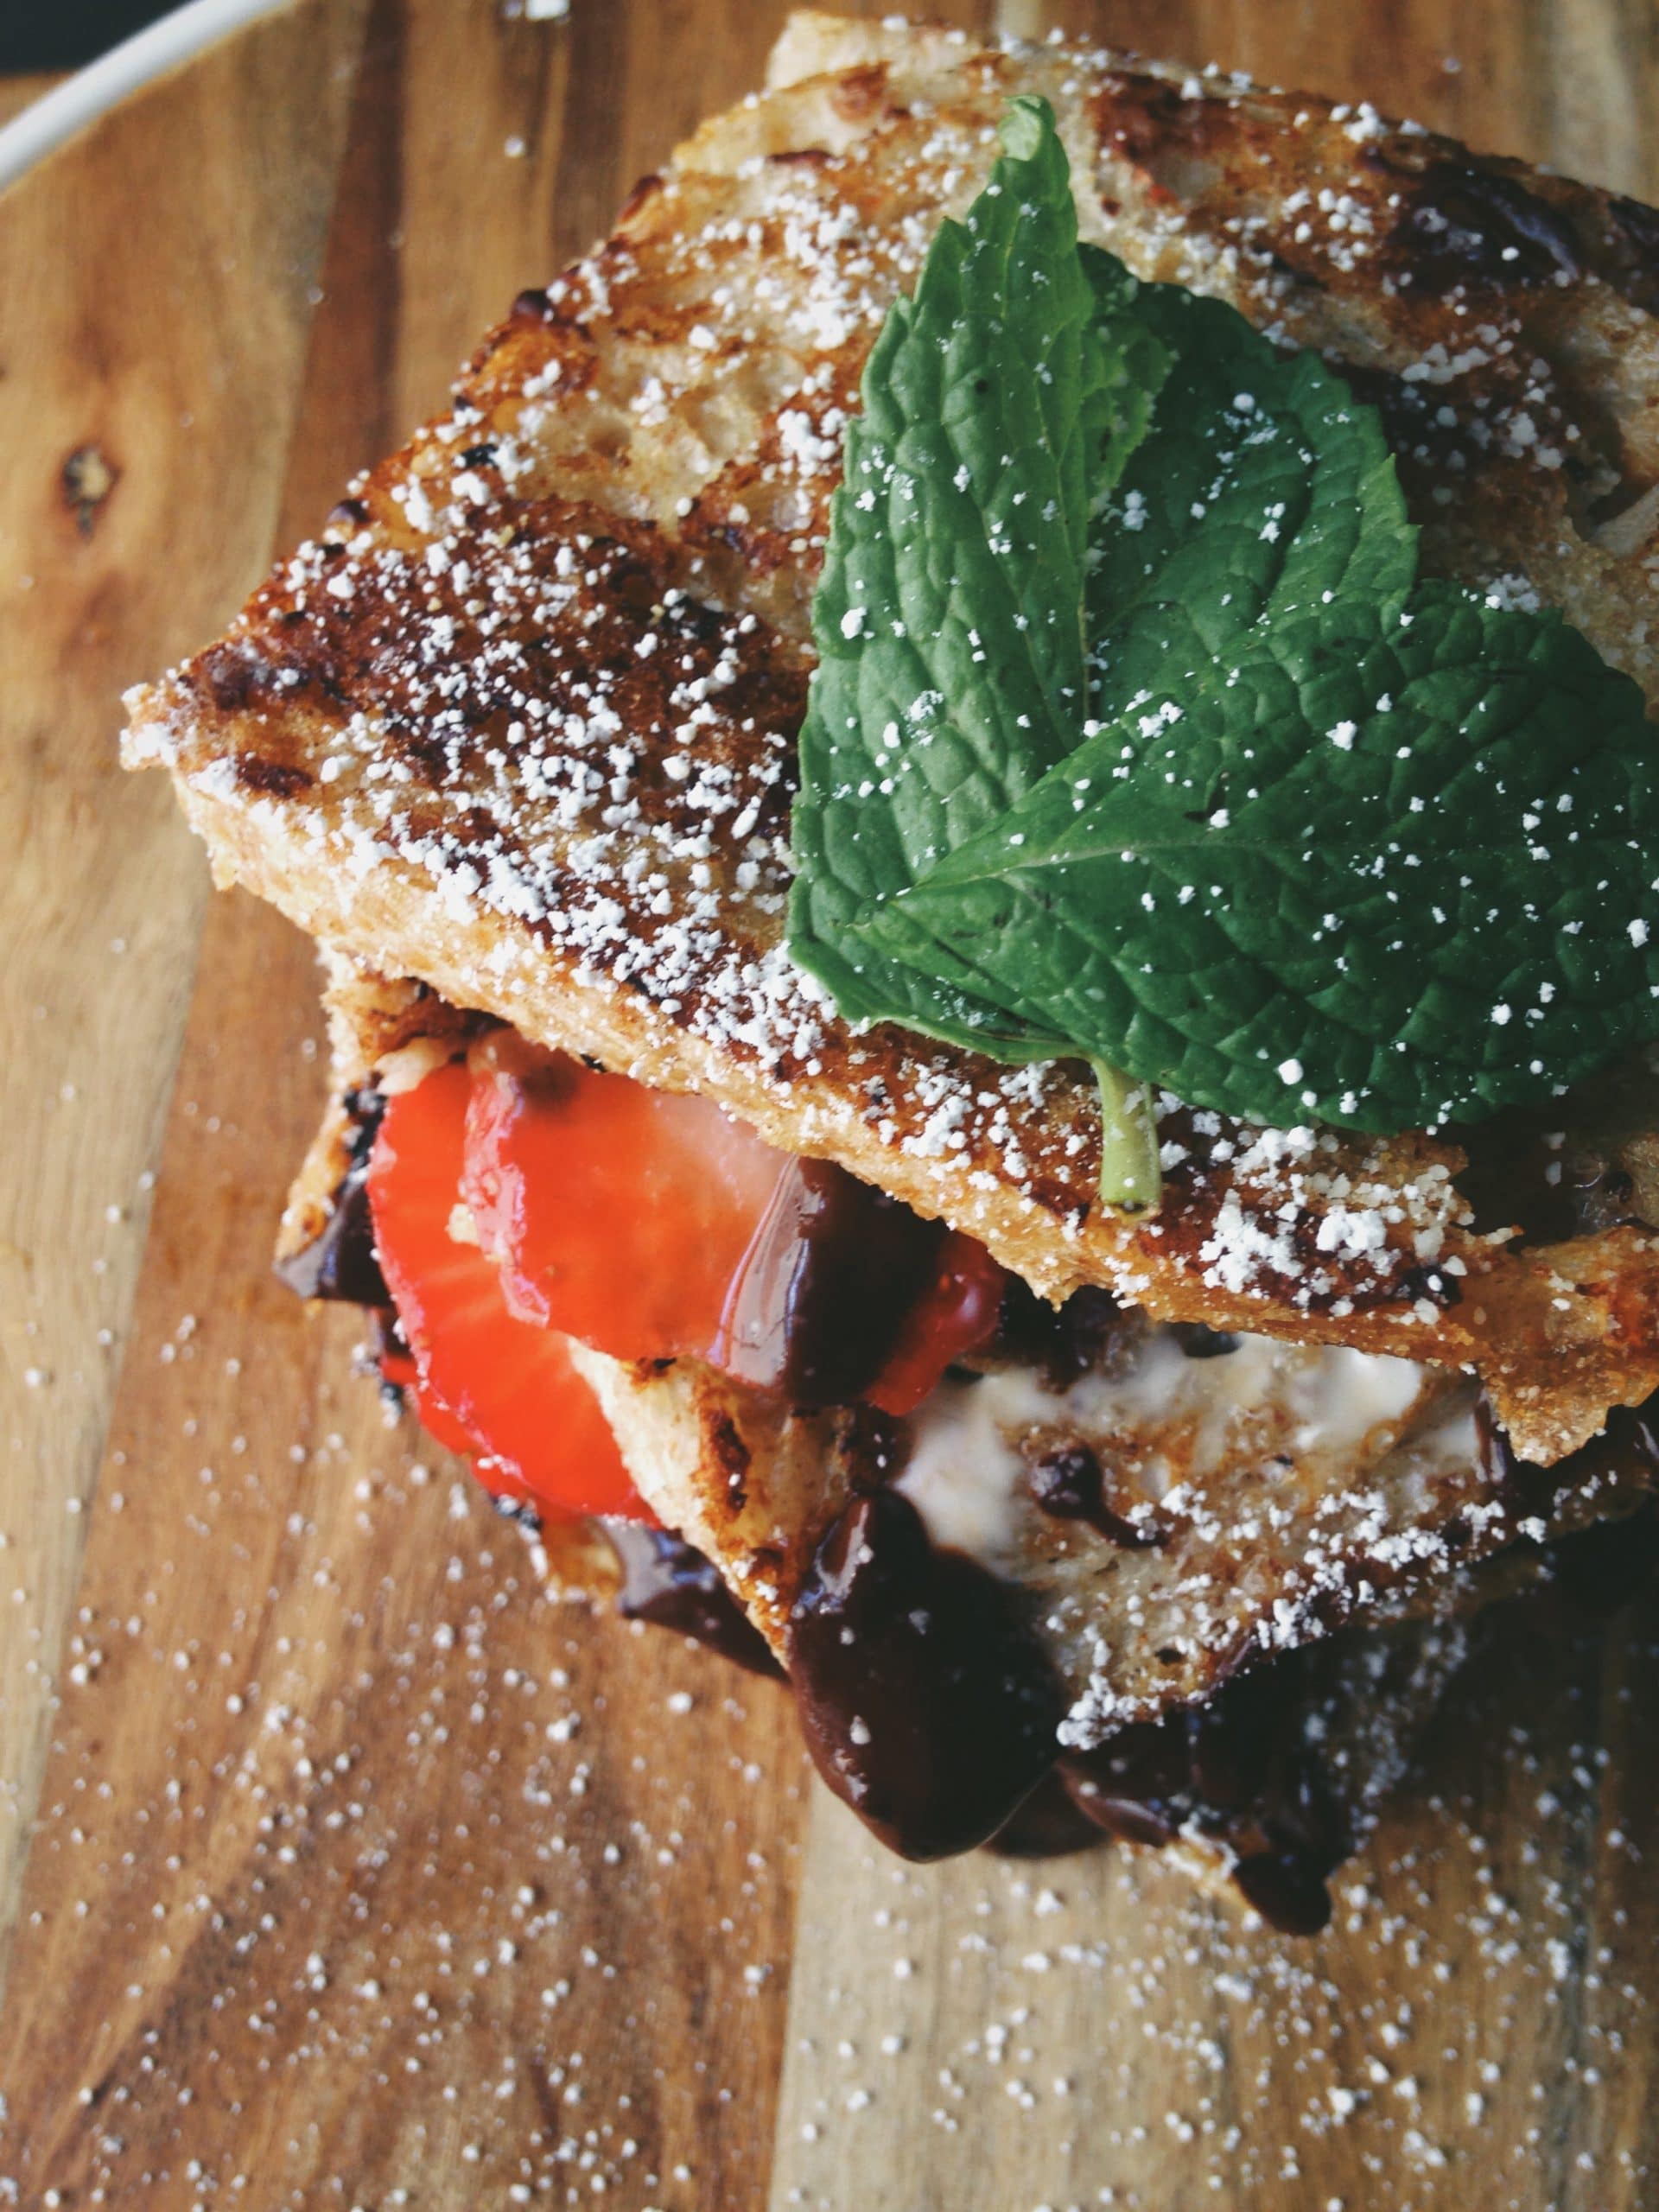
(1131, 1175)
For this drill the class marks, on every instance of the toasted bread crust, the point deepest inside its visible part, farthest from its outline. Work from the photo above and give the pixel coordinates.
(521, 723)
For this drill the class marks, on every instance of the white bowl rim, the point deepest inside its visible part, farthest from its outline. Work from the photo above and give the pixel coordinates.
(59, 115)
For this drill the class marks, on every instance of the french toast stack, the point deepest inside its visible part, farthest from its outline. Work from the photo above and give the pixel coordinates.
(514, 739)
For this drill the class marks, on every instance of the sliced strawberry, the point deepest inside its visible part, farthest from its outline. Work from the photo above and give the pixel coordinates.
(510, 1388)
(958, 1312)
(617, 1213)
(402, 1369)
(649, 1225)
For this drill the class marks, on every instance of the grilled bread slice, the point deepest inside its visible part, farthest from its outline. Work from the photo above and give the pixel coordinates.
(521, 723)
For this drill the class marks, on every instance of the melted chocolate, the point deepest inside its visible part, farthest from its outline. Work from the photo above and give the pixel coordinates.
(1288, 1890)
(1600, 1569)
(1631, 263)
(1199, 1341)
(1627, 1447)
(666, 1581)
(1068, 1483)
(833, 1275)
(1596, 1569)
(1049, 1825)
(1517, 1178)
(341, 1262)
(926, 1702)
(1245, 1769)
(533, 305)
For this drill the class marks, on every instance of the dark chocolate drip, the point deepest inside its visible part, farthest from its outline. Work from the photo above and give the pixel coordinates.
(1630, 1443)
(1049, 1825)
(1599, 1569)
(1527, 1175)
(1632, 262)
(1063, 1342)
(926, 1702)
(1067, 1482)
(1289, 1889)
(341, 1262)
(533, 305)
(1133, 1786)
(667, 1581)
(834, 1270)
(1246, 1770)
(1626, 1450)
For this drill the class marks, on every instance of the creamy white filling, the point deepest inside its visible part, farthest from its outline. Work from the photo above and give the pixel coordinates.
(1166, 1427)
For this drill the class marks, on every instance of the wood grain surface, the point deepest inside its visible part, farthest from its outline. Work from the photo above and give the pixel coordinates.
(339, 1864)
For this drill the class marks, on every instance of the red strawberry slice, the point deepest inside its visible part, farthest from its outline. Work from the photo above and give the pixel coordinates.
(959, 1311)
(617, 1213)
(509, 1387)
(647, 1224)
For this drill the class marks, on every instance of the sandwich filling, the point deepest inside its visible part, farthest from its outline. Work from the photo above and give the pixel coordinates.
(991, 1474)
(520, 1200)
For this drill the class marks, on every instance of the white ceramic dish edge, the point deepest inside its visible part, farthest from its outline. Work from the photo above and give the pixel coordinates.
(91, 91)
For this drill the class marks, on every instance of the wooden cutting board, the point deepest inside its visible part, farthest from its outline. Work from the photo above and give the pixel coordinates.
(340, 1867)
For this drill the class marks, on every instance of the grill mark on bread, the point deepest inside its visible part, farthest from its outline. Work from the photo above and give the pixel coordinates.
(272, 778)
(858, 94)
(1464, 225)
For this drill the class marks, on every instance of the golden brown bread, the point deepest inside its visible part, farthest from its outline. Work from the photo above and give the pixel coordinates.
(521, 724)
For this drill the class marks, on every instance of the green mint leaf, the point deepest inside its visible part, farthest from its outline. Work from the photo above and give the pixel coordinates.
(1135, 737)
(1383, 868)
(1136, 363)
(949, 619)
(1262, 487)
